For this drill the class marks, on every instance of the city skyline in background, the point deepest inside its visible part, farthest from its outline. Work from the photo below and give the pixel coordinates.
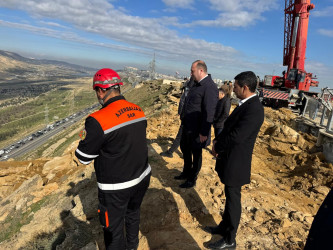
(229, 35)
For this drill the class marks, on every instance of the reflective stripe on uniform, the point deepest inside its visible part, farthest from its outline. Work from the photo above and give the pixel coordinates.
(85, 155)
(124, 124)
(84, 162)
(127, 184)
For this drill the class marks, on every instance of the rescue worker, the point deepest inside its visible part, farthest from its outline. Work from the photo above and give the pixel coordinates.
(115, 137)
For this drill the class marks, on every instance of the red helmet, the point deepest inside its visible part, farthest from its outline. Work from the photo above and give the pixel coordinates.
(106, 78)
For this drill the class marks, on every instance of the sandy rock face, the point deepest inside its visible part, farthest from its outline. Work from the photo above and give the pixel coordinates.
(57, 167)
(13, 174)
(286, 140)
(21, 198)
(52, 203)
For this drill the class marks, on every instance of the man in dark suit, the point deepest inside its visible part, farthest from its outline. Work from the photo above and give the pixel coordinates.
(197, 117)
(233, 148)
(175, 144)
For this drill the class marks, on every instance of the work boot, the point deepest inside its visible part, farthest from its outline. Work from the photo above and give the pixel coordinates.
(166, 154)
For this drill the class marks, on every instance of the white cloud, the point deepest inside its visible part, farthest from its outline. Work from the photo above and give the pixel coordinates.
(145, 35)
(327, 12)
(240, 13)
(98, 17)
(326, 32)
(235, 13)
(239, 5)
(322, 71)
(229, 19)
(53, 24)
(38, 30)
(185, 4)
(69, 36)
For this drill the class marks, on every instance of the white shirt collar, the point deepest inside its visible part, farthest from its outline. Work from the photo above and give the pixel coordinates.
(244, 100)
(203, 78)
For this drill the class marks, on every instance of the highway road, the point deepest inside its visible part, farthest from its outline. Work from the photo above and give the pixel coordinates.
(37, 139)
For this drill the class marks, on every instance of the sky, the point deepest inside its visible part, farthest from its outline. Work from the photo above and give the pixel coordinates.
(231, 36)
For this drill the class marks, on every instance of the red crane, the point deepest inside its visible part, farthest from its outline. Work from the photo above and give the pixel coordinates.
(277, 91)
(295, 36)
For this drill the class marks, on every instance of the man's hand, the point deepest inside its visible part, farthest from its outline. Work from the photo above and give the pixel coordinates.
(203, 138)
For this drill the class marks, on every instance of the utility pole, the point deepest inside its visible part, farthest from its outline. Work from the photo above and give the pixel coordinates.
(152, 72)
(72, 103)
(46, 111)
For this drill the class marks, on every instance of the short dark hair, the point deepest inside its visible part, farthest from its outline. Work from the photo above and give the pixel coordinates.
(247, 78)
(226, 89)
(201, 64)
(115, 89)
(223, 90)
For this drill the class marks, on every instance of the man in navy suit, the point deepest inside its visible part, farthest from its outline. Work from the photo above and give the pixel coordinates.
(233, 149)
(197, 117)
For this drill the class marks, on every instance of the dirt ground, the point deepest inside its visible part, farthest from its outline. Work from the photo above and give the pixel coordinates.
(288, 185)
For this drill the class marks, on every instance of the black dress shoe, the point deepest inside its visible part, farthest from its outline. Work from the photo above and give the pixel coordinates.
(180, 177)
(187, 184)
(166, 154)
(213, 230)
(222, 244)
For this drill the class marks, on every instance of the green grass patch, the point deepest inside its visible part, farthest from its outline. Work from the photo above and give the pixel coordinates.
(13, 223)
(22, 120)
(146, 95)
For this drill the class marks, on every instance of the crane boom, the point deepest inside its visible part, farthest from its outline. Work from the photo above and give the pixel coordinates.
(295, 37)
(280, 91)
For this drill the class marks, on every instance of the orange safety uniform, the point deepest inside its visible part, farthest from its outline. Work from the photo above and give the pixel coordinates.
(116, 139)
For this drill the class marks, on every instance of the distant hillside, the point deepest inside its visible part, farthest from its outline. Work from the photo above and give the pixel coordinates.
(17, 67)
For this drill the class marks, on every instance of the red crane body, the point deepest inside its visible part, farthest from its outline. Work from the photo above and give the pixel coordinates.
(278, 91)
(295, 37)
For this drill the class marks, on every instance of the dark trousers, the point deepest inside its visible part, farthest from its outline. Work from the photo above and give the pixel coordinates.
(217, 131)
(176, 141)
(123, 209)
(190, 147)
(232, 213)
(321, 230)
